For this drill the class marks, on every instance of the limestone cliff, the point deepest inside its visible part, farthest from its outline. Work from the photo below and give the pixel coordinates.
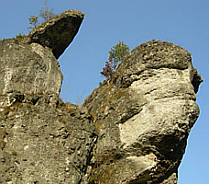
(131, 130)
(143, 116)
(42, 140)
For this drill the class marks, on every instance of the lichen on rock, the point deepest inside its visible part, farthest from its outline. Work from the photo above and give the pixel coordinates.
(42, 140)
(144, 130)
(132, 129)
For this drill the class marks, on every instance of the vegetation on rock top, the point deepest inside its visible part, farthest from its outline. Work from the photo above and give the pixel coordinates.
(45, 13)
(116, 55)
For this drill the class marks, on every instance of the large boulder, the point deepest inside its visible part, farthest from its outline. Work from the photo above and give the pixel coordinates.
(58, 32)
(27, 69)
(143, 116)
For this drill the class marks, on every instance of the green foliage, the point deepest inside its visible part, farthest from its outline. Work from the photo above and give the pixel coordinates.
(33, 20)
(20, 37)
(116, 55)
(118, 52)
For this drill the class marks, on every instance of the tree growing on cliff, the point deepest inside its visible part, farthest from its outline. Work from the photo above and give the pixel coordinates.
(33, 20)
(116, 55)
(45, 13)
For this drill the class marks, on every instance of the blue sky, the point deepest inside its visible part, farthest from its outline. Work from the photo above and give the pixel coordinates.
(183, 22)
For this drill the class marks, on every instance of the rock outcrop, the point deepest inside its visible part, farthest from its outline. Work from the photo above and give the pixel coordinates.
(58, 32)
(131, 130)
(143, 116)
(42, 140)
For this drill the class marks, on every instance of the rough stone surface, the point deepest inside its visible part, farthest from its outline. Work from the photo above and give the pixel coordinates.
(44, 144)
(27, 69)
(58, 32)
(42, 140)
(143, 116)
(131, 130)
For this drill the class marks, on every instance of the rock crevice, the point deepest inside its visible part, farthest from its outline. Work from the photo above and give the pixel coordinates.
(132, 129)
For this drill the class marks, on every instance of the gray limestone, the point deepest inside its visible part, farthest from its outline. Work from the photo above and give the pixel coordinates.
(132, 129)
(143, 116)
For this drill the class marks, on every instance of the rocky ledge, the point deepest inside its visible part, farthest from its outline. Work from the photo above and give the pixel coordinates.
(132, 129)
(58, 32)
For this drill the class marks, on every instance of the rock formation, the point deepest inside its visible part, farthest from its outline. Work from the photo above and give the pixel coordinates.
(131, 130)
(143, 116)
(42, 140)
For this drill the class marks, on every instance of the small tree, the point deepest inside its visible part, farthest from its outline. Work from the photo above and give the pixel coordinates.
(118, 52)
(107, 70)
(33, 20)
(116, 55)
(45, 13)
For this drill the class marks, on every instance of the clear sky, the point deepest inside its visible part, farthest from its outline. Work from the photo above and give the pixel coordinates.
(183, 22)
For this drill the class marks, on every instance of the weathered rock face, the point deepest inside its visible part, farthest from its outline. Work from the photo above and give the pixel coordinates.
(42, 140)
(43, 144)
(131, 130)
(143, 116)
(58, 32)
(27, 69)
